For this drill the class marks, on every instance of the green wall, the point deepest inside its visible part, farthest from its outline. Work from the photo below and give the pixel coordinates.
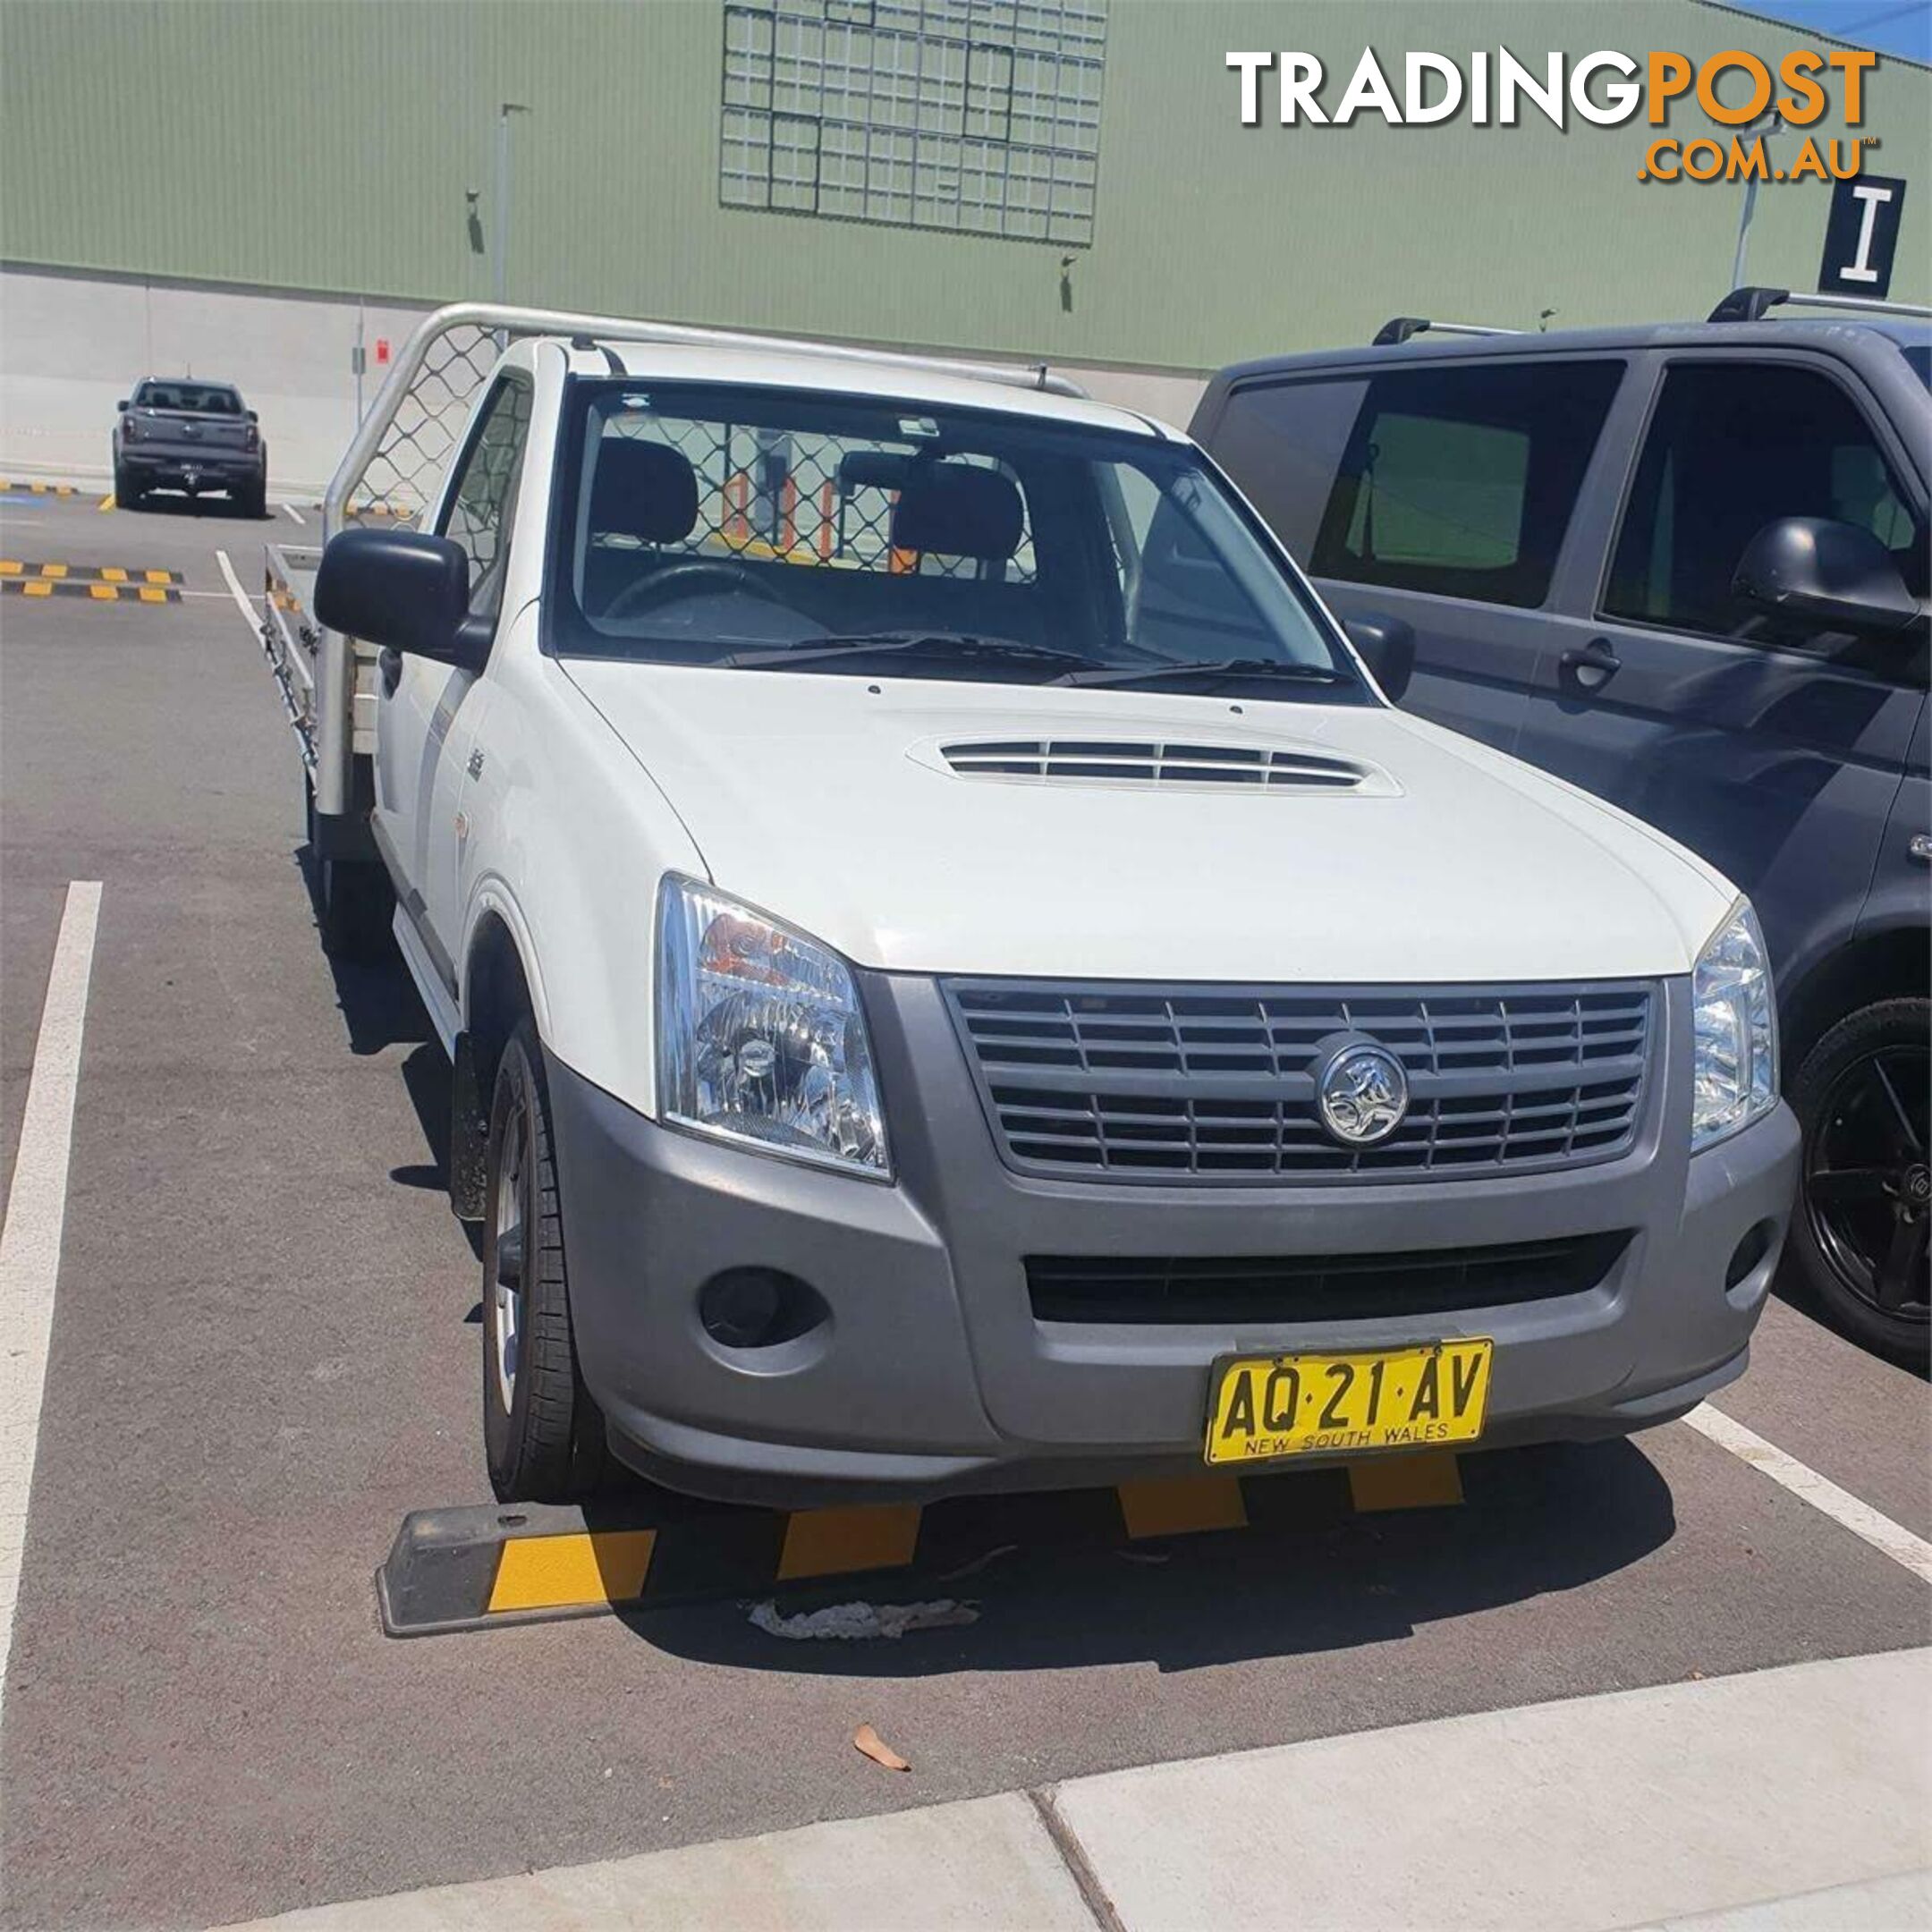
(328, 144)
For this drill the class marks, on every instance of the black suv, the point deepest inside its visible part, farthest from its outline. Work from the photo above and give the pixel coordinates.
(1685, 566)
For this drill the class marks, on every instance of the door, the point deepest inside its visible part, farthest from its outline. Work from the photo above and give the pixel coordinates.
(1769, 744)
(429, 711)
(1436, 491)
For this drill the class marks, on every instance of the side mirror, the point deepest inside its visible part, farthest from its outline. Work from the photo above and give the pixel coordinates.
(1388, 646)
(124, 406)
(1835, 573)
(251, 416)
(406, 591)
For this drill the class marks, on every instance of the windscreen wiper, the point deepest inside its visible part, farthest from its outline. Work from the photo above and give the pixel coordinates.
(908, 643)
(1214, 669)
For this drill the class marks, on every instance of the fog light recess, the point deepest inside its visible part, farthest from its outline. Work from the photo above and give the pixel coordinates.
(1749, 1252)
(757, 1307)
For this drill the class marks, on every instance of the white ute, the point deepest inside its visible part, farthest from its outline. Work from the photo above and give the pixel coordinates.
(957, 975)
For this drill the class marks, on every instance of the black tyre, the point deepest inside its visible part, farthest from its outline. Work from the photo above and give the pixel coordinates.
(357, 909)
(251, 499)
(128, 493)
(542, 1434)
(1865, 1201)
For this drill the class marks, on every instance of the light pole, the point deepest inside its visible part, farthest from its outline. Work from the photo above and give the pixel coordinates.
(500, 255)
(1751, 200)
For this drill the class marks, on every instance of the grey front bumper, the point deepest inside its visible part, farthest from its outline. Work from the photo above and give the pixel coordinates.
(932, 1374)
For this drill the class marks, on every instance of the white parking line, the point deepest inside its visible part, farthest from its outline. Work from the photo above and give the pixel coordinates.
(30, 1241)
(1841, 1505)
(237, 592)
(294, 512)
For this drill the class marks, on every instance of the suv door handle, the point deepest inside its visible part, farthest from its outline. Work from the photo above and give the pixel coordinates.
(389, 662)
(1593, 666)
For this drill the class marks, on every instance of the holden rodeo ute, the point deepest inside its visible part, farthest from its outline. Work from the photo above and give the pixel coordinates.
(957, 977)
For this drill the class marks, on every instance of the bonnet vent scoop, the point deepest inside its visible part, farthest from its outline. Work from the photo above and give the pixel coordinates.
(1122, 761)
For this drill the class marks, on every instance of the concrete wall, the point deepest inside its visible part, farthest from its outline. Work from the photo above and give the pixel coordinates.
(276, 144)
(71, 345)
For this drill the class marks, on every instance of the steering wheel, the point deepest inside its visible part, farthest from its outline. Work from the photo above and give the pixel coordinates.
(649, 591)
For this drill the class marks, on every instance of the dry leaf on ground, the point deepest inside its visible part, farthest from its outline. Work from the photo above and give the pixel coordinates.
(867, 1740)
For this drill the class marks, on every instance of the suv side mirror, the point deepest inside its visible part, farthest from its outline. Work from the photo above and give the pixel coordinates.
(122, 406)
(251, 416)
(1388, 646)
(406, 591)
(1834, 572)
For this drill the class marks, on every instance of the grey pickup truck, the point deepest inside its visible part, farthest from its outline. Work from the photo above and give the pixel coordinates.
(193, 436)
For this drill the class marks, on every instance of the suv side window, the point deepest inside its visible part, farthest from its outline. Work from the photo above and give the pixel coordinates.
(1732, 446)
(482, 506)
(1282, 443)
(1458, 480)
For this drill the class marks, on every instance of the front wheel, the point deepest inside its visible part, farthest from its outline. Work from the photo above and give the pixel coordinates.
(1865, 1202)
(542, 1434)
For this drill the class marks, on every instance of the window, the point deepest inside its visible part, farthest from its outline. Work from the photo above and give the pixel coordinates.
(953, 114)
(480, 512)
(1732, 446)
(736, 527)
(1459, 481)
(1282, 443)
(188, 398)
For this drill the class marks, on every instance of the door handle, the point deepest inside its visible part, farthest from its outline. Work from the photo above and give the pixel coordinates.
(389, 661)
(1921, 847)
(1593, 666)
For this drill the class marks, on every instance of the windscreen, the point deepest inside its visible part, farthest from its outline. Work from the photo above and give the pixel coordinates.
(733, 527)
(194, 398)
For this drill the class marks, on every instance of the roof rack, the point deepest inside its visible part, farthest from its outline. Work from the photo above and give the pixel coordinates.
(1399, 328)
(1752, 305)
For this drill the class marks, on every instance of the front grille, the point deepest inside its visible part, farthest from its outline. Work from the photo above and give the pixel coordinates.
(1119, 1082)
(1314, 1288)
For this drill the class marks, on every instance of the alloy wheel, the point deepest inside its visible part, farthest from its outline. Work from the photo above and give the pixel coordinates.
(1867, 1187)
(508, 1297)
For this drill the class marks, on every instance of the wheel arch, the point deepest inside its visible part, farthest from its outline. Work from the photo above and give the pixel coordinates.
(497, 989)
(1891, 962)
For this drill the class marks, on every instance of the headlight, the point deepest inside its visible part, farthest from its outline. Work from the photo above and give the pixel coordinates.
(1733, 1019)
(760, 1038)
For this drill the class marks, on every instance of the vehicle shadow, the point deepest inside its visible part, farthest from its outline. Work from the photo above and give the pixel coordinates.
(378, 1003)
(174, 503)
(1535, 1521)
(381, 1008)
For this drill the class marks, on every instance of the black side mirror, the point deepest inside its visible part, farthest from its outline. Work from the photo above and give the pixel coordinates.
(1835, 573)
(124, 406)
(1387, 645)
(406, 591)
(251, 416)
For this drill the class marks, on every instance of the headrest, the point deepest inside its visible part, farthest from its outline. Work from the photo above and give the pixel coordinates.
(645, 490)
(959, 510)
(871, 469)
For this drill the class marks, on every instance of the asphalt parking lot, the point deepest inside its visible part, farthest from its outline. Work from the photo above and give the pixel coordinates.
(263, 1354)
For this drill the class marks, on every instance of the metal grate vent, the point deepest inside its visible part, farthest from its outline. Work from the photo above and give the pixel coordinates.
(1113, 1081)
(1126, 761)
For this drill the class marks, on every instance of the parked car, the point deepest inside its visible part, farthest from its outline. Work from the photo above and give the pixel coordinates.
(1683, 566)
(190, 436)
(957, 977)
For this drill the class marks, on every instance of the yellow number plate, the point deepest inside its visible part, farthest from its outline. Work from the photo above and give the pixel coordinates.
(1283, 1405)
